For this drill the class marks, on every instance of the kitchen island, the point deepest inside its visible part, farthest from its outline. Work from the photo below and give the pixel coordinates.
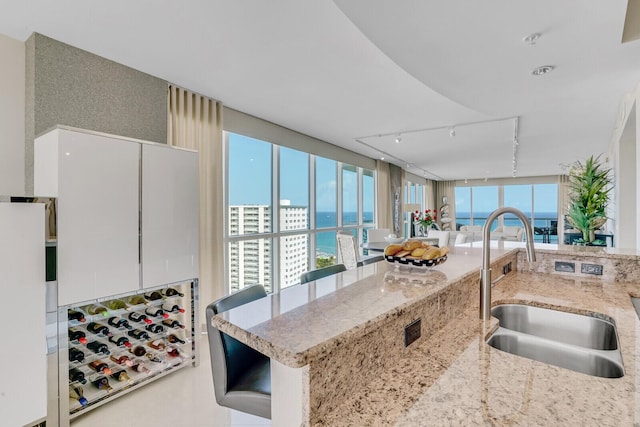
(339, 353)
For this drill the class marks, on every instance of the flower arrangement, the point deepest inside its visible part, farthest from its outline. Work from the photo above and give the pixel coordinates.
(426, 218)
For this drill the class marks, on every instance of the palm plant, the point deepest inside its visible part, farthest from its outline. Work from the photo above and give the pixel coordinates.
(590, 185)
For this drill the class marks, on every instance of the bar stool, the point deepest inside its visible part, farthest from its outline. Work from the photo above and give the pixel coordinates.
(241, 375)
(312, 275)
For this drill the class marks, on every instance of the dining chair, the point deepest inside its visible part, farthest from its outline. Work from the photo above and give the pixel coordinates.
(377, 234)
(312, 275)
(347, 250)
(443, 237)
(460, 238)
(241, 375)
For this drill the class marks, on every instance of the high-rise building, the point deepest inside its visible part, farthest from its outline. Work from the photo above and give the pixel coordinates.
(251, 261)
(294, 249)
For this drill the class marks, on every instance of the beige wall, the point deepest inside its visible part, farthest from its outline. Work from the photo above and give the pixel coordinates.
(12, 87)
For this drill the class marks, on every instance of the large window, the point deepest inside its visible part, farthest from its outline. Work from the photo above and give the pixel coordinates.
(301, 234)
(539, 202)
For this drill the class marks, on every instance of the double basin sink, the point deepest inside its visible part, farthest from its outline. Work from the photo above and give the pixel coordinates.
(581, 343)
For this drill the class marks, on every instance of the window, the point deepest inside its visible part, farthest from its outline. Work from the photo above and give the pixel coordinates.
(274, 248)
(539, 202)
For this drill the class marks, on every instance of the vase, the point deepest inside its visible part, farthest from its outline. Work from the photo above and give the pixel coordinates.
(419, 230)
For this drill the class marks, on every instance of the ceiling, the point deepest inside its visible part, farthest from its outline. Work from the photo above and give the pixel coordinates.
(358, 73)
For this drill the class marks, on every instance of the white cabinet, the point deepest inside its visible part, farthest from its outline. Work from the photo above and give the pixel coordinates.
(96, 181)
(169, 215)
(123, 205)
(23, 388)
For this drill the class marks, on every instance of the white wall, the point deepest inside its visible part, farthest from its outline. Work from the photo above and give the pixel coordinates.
(624, 150)
(12, 98)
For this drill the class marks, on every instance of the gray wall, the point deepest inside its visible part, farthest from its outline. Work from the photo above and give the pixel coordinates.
(69, 86)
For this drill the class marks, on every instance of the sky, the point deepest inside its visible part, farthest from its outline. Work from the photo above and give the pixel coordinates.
(250, 182)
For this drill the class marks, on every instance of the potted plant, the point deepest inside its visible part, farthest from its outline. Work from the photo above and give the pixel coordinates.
(590, 185)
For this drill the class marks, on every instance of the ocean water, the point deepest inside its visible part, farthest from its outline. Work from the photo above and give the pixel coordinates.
(326, 241)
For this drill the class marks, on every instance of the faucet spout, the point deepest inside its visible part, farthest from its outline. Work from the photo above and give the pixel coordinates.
(485, 273)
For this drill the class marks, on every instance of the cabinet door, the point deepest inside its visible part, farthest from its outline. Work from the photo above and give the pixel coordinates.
(23, 367)
(98, 204)
(170, 212)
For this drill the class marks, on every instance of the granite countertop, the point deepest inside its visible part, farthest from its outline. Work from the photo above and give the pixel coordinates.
(455, 378)
(305, 322)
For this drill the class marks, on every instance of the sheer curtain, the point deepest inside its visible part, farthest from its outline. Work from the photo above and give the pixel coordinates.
(383, 198)
(195, 122)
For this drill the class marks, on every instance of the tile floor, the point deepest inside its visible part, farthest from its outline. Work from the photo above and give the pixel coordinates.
(182, 399)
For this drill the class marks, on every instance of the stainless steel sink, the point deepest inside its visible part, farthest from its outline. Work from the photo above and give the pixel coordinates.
(581, 343)
(569, 328)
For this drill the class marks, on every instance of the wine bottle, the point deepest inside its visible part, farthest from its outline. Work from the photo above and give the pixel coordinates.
(156, 312)
(154, 358)
(153, 296)
(120, 341)
(98, 347)
(102, 383)
(76, 392)
(172, 323)
(173, 352)
(139, 367)
(137, 300)
(116, 304)
(100, 366)
(119, 322)
(156, 344)
(139, 317)
(76, 315)
(97, 309)
(121, 360)
(172, 308)
(121, 375)
(77, 335)
(154, 328)
(138, 334)
(173, 339)
(98, 329)
(170, 292)
(75, 355)
(76, 375)
(138, 351)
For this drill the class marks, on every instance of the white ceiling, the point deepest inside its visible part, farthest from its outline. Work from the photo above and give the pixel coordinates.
(348, 70)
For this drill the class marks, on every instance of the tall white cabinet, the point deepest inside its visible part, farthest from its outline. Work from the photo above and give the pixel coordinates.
(170, 215)
(123, 205)
(127, 223)
(95, 179)
(23, 386)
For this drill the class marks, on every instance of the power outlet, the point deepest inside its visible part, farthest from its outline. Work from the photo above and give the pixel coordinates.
(506, 269)
(412, 332)
(565, 267)
(595, 269)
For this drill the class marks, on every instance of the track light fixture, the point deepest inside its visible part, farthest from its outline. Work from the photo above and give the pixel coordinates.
(452, 132)
(398, 139)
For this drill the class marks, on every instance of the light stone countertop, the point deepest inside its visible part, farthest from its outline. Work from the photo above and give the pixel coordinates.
(307, 321)
(455, 378)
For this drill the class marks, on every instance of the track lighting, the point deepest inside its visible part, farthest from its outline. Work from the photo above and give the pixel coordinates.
(452, 132)
(398, 139)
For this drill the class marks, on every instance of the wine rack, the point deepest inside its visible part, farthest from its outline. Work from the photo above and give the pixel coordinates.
(131, 338)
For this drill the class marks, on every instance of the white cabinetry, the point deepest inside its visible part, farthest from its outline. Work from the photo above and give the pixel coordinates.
(23, 384)
(169, 215)
(96, 181)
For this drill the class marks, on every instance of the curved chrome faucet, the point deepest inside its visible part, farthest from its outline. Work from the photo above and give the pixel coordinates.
(485, 273)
